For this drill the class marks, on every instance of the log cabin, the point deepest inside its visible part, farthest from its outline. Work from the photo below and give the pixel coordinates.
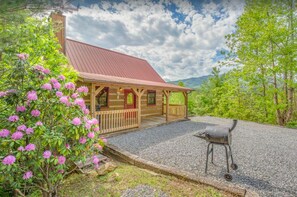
(124, 91)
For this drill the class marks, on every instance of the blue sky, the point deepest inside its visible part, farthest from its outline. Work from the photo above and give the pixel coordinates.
(179, 38)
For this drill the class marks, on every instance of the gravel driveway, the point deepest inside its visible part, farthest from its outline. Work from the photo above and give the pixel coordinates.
(266, 155)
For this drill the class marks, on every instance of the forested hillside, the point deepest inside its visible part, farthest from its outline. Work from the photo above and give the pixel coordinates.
(261, 86)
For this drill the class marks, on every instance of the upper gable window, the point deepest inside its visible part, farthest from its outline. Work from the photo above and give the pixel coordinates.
(151, 97)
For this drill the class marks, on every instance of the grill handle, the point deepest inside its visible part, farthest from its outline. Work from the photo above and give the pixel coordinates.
(233, 125)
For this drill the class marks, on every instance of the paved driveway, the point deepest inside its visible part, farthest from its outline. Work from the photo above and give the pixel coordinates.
(266, 155)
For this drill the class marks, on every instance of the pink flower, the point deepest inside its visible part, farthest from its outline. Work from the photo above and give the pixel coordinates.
(8, 160)
(91, 135)
(82, 140)
(23, 56)
(76, 121)
(88, 126)
(61, 160)
(74, 95)
(96, 129)
(39, 123)
(59, 94)
(94, 121)
(32, 96)
(80, 102)
(13, 118)
(64, 99)
(38, 67)
(104, 139)
(21, 128)
(35, 113)
(83, 89)
(11, 91)
(98, 146)
(95, 160)
(30, 147)
(53, 80)
(17, 135)
(21, 148)
(27, 175)
(4, 133)
(47, 154)
(70, 86)
(46, 71)
(61, 77)
(67, 146)
(85, 119)
(57, 85)
(21, 108)
(86, 111)
(46, 86)
(2, 94)
(29, 131)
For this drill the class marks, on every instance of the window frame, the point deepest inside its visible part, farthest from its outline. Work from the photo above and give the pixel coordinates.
(149, 92)
(100, 94)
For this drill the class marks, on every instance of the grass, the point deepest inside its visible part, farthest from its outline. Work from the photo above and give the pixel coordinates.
(127, 176)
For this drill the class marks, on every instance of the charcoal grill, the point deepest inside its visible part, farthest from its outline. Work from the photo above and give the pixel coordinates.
(218, 135)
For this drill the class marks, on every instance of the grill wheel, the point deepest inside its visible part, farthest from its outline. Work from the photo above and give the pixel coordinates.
(234, 166)
(228, 177)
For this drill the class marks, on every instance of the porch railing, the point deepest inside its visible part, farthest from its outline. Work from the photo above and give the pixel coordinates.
(116, 120)
(175, 111)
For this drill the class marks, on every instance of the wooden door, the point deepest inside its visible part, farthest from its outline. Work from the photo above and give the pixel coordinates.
(130, 99)
(130, 103)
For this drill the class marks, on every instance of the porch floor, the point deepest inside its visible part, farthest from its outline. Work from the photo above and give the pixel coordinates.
(152, 121)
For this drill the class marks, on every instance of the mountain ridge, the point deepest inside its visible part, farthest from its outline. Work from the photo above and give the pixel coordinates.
(193, 82)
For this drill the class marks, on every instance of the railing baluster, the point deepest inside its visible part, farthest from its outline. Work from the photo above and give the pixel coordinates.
(116, 120)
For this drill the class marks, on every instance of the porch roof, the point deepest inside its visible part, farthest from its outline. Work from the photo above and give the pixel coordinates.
(106, 79)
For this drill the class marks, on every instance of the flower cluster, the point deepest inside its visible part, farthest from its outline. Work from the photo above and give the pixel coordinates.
(49, 124)
(41, 69)
(22, 56)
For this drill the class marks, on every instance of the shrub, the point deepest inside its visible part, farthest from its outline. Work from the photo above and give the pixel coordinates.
(44, 128)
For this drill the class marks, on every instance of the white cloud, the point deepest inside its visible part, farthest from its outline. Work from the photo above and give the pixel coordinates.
(176, 49)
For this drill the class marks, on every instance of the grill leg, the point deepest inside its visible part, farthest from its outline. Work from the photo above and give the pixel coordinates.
(231, 154)
(227, 158)
(207, 153)
(212, 150)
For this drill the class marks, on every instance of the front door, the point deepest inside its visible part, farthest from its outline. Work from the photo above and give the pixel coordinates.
(130, 103)
(130, 99)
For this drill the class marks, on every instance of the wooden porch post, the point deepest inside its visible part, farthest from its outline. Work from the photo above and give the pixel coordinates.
(167, 94)
(139, 93)
(186, 95)
(94, 93)
(92, 100)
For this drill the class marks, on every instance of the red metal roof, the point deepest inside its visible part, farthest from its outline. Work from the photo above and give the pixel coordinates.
(89, 77)
(96, 64)
(92, 59)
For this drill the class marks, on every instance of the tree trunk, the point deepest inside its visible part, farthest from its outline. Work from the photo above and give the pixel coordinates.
(264, 90)
(280, 119)
(291, 74)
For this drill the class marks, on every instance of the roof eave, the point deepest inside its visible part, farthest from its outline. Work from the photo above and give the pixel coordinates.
(184, 89)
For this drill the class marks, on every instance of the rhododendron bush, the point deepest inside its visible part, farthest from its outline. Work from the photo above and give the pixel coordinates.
(44, 128)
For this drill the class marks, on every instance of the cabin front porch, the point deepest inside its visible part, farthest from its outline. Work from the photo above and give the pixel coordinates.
(122, 106)
(117, 120)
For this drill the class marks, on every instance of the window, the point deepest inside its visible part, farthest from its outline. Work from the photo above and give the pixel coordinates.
(102, 99)
(151, 97)
(130, 98)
